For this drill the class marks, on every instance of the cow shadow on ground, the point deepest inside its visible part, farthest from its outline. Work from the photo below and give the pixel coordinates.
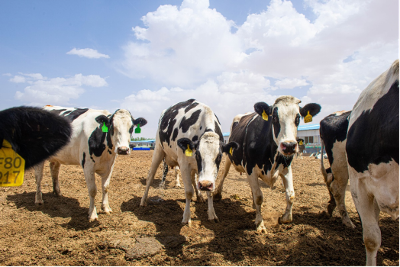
(56, 206)
(163, 214)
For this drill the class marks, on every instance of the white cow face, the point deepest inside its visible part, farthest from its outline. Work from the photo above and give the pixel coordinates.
(121, 129)
(208, 154)
(284, 116)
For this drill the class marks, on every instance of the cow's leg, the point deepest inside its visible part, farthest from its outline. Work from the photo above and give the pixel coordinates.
(105, 179)
(287, 180)
(199, 196)
(211, 211)
(55, 170)
(257, 200)
(158, 156)
(165, 172)
(92, 189)
(186, 178)
(218, 191)
(338, 189)
(369, 214)
(38, 177)
(177, 184)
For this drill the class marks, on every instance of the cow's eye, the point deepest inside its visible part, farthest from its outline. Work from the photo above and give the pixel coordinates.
(297, 120)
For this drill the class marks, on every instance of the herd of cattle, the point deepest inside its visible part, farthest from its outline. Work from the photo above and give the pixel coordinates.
(362, 145)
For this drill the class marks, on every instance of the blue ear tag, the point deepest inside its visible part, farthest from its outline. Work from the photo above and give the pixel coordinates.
(104, 128)
(137, 129)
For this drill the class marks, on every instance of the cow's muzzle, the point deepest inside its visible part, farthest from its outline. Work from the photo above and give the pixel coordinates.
(123, 150)
(205, 185)
(288, 148)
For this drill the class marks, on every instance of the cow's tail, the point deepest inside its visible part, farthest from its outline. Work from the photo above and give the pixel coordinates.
(323, 170)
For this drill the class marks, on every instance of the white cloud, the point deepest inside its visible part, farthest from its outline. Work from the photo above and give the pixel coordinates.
(55, 91)
(87, 52)
(17, 79)
(290, 83)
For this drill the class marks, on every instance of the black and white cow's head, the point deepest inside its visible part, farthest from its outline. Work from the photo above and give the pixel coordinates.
(208, 153)
(285, 118)
(120, 127)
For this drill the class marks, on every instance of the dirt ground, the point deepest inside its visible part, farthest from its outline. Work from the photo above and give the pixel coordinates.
(58, 232)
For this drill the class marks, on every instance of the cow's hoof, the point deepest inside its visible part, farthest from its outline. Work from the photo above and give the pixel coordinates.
(107, 210)
(285, 219)
(93, 219)
(348, 223)
(216, 220)
(188, 223)
(143, 203)
(57, 194)
(38, 203)
(261, 228)
(217, 196)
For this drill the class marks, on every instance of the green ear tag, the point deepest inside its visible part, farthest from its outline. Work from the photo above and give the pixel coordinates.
(264, 116)
(188, 152)
(308, 117)
(104, 128)
(137, 129)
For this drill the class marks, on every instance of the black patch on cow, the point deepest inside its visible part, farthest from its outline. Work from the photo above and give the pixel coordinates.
(217, 118)
(168, 121)
(199, 161)
(311, 108)
(57, 111)
(109, 152)
(34, 133)
(96, 142)
(195, 138)
(218, 160)
(234, 125)
(333, 129)
(218, 131)
(201, 127)
(83, 160)
(275, 121)
(175, 134)
(374, 137)
(193, 105)
(186, 123)
(109, 141)
(75, 113)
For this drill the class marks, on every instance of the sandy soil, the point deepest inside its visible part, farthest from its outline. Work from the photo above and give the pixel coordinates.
(58, 232)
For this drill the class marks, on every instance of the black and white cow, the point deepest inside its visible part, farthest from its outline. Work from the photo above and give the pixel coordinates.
(301, 147)
(372, 150)
(98, 136)
(33, 133)
(267, 144)
(333, 132)
(165, 172)
(189, 136)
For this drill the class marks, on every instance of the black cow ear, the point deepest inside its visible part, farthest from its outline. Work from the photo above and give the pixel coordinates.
(226, 148)
(141, 121)
(260, 107)
(312, 108)
(183, 143)
(102, 118)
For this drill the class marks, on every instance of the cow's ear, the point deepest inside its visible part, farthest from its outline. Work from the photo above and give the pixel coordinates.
(228, 148)
(262, 108)
(102, 118)
(186, 145)
(312, 108)
(141, 121)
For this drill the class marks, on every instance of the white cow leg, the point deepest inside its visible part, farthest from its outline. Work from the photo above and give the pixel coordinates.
(199, 196)
(369, 213)
(178, 184)
(186, 178)
(38, 177)
(257, 200)
(55, 170)
(211, 212)
(105, 179)
(338, 189)
(287, 180)
(92, 189)
(158, 156)
(218, 190)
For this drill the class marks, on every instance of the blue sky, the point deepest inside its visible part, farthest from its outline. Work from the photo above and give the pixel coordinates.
(147, 55)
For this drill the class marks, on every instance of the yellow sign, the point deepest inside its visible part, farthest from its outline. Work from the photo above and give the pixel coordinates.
(264, 116)
(308, 117)
(188, 151)
(12, 166)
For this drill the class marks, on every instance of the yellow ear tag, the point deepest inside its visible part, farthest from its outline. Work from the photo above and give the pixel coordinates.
(188, 152)
(301, 143)
(12, 166)
(231, 151)
(308, 117)
(264, 116)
